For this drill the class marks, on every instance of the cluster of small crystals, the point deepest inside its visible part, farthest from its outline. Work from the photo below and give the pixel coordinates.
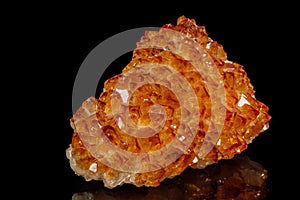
(245, 118)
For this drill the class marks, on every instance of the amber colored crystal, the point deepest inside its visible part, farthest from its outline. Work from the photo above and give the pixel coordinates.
(245, 116)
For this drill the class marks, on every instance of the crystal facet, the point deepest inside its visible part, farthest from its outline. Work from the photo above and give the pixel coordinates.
(178, 103)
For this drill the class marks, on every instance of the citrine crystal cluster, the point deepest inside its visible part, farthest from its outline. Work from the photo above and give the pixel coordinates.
(103, 137)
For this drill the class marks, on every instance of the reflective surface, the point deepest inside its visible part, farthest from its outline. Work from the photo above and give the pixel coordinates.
(238, 178)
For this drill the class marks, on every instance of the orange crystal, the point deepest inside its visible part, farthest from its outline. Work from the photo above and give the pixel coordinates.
(98, 123)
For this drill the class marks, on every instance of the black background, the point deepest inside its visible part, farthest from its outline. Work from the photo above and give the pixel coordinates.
(61, 36)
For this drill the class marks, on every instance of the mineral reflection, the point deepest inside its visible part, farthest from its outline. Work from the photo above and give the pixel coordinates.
(238, 178)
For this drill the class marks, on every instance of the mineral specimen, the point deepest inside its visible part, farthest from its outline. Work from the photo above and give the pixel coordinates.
(178, 103)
